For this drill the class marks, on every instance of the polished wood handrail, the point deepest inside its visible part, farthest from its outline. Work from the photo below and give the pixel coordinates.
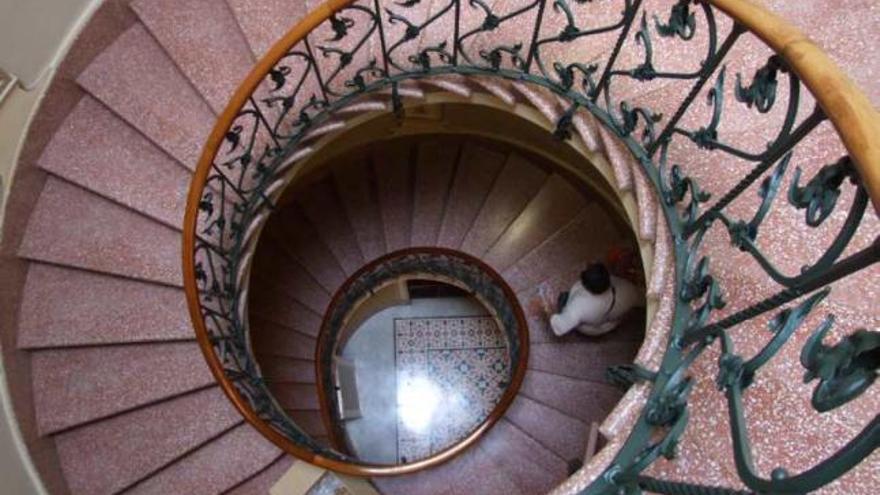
(846, 106)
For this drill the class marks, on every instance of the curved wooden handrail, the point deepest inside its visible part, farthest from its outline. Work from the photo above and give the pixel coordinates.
(846, 106)
(849, 110)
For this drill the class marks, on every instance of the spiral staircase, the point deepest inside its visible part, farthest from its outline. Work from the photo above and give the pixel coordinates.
(464, 142)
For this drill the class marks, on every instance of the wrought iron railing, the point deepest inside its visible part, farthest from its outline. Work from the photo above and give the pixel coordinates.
(641, 72)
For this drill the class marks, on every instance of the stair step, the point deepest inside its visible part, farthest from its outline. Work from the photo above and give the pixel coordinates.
(277, 306)
(439, 480)
(300, 396)
(647, 204)
(284, 369)
(310, 421)
(266, 21)
(273, 268)
(357, 190)
(586, 401)
(534, 468)
(140, 83)
(477, 171)
(478, 473)
(293, 232)
(100, 152)
(73, 386)
(564, 435)
(264, 480)
(107, 456)
(71, 226)
(67, 307)
(274, 340)
(580, 360)
(434, 171)
(394, 188)
(567, 252)
(619, 158)
(214, 468)
(556, 204)
(323, 208)
(518, 182)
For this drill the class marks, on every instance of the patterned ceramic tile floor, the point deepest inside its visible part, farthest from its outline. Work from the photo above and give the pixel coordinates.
(451, 372)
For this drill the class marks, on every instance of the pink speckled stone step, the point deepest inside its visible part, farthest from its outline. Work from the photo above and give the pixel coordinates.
(393, 169)
(293, 233)
(65, 307)
(272, 339)
(618, 157)
(71, 226)
(262, 481)
(274, 269)
(357, 190)
(554, 206)
(324, 210)
(280, 308)
(107, 456)
(533, 467)
(138, 81)
(265, 21)
(647, 204)
(564, 435)
(310, 421)
(544, 103)
(434, 172)
(216, 467)
(515, 186)
(285, 369)
(296, 396)
(205, 41)
(580, 360)
(586, 401)
(479, 473)
(662, 263)
(435, 481)
(102, 153)
(72, 386)
(477, 171)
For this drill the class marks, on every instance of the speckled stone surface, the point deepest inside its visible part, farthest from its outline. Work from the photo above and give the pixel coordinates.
(261, 482)
(311, 422)
(533, 467)
(273, 268)
(357, 190)
(579, 360)
(139, 82)
(279, 307)
(564, 435)
(433, 176)
(71, 226)
(205, 41)
(662, 264)
(647, 204)
(555, 205)
(217, 466)
(518, 182)
(296, 396)
(280, 369)
(65, 307)
(321, 205)
(585, 400)
(265, 21)
(619, 158)
(394, 190)
(272, 339)
(477, 170)
(72, 386)
(102, 153)
(293, 233)
(105, 457)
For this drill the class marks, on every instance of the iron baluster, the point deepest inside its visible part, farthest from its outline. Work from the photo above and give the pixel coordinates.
(535, 32)
(629, 17)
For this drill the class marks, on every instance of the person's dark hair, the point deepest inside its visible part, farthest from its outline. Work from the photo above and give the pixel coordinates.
(596, 278)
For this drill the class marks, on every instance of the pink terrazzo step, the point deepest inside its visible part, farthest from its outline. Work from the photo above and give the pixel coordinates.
(265, 21)
(647, 204)
(71, 226)
(563, 434)
(205, 41)
(478, 473)
(261, 482)
(580, 360)
(433, 177)
(279, 307)
(324, 210)
(275, 269)
(586, 401)
(311, 422)
(554, 206)
(285, 369)
(66, 307)
(214, 468)
(107, 456)
(564, 254)
(393, 169)
(477, 171)
(296, 396)
(435, 481)
(356, 186)
(73, 386)
(102, 153)
(274, 340)
(516, 185)
(138, 81)
(534, 468)
(291, 231)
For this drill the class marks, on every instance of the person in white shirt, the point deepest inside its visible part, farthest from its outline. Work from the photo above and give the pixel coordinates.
(596, 303)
